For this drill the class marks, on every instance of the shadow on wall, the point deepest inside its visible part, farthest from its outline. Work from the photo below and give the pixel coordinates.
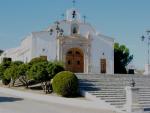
(9, 99)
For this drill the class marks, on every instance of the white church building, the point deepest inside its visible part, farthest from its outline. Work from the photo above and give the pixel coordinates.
(73, 41)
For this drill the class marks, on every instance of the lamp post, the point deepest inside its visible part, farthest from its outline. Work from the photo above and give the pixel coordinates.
(146, 39)
(59, 32)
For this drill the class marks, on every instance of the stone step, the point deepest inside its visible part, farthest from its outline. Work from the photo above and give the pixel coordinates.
(108, 92)
(110, 95)
(121, 97)
(144, 95)
(144, 92)
(115, 79)
(102, 87)
(112, 80)
(120, 107)
(117, 103)
(116, 83)
(144, 100)
(116, 90)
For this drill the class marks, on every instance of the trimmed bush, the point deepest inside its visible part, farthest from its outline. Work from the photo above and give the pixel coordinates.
(65, 84)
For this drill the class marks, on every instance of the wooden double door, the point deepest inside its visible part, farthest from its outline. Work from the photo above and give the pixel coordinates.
(75, 60)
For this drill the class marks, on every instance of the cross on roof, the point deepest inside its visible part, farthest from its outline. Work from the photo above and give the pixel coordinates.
(74, 14)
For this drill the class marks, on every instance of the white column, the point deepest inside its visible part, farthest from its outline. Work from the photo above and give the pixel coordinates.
(147, 69)
(132, 100)
(58, 48)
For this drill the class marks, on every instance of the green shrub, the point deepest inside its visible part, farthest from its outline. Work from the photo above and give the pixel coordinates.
(1, 71)
(6, 78)
(6, 81)
(5, 59)
(3, 66)
(22, 74)
(8, 73)
(16, 63)
(11, 73)
(53, 68)
(37, 60)
(39, 72)
(65, 84)
(22, 69)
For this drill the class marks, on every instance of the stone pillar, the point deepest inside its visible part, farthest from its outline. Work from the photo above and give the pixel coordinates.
(132, 100)
(147, 69)
(58, 50)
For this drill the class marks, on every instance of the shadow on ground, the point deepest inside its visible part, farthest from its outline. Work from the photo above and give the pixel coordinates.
(9, 99)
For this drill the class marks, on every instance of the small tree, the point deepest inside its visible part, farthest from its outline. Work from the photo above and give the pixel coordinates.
(7, 75)
(122, 58)
(38, 72)
(4, 65)
(11, 73)
(5, 81)
(22, 74)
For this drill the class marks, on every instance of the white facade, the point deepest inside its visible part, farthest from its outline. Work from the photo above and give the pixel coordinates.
(76, 34)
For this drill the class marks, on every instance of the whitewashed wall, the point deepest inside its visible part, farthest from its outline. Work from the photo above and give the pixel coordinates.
(100, 46)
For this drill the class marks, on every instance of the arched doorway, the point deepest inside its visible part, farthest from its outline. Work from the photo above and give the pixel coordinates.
(75, 60)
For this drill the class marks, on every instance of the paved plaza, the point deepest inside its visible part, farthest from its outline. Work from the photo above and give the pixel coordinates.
(17, 104)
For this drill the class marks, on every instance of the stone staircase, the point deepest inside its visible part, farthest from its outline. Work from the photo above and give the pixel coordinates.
(111, 88)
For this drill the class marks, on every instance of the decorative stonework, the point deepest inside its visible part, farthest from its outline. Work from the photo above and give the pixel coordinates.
(75, 41)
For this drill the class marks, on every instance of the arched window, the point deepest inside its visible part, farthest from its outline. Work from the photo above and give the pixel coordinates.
(74, 29)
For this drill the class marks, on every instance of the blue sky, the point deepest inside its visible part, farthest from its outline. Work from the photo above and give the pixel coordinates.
(125, 20)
